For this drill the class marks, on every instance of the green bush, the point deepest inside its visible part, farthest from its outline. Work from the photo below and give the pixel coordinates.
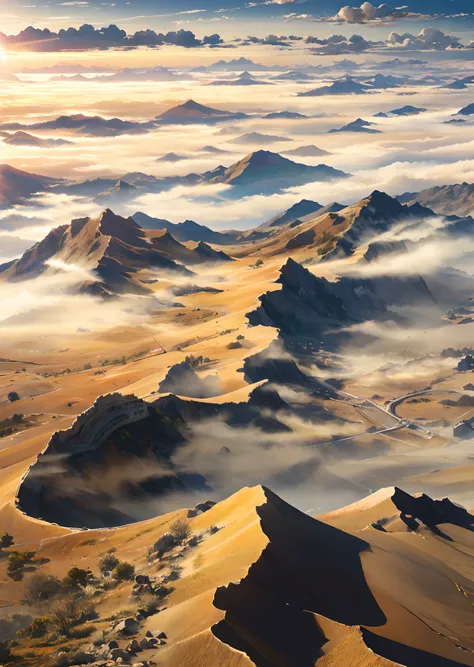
(123, 571)
(77, 577)
(6, 541)
(17, 560)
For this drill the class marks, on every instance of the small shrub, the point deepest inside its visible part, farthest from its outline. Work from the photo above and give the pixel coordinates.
(108, 562)
(240, 337)
(77, 577)
(69, 612)
(150, 604)
(6, 541)
(13, 396)
(37, 629)
(234, 345)
(124, 571)
(180, 530)
(41, 588)
(5, 654)
(17, 561)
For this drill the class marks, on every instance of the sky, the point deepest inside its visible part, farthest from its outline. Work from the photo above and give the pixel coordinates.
(230, 18)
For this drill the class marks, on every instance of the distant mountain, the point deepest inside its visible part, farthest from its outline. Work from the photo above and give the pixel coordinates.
(445, 199)
(17, 185)
(156, 74)
(285, 115)
(191, 112)
(120, 192)
(467, 111)
(213, 150)
(235, 65)
(113, 248)
(336, 231)
(258, 138)
(244, 79)
(174, 250)
(293, 75)
(185, 231)
(358, 125)
(7, 77)
(345, 86)
(263, 172)
(75, 77)
(460, 84)
(306, 151)
(21, 138)
(385, 81)
(407, 110)
(170, 157)
(93, 126)
(298, 211)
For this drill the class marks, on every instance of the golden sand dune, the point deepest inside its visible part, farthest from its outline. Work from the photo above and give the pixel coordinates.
(272, 586)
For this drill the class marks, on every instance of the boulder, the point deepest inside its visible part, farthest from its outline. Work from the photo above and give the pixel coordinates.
(133, 647)
(119, 654)
(142, 579)
(129, 626)
(164, 543)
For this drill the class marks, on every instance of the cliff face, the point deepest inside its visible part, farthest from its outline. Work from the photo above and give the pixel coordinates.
(117, 462)
(309, 306)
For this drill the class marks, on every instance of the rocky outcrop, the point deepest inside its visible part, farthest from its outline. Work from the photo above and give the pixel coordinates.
(307, 306)
(182, 380)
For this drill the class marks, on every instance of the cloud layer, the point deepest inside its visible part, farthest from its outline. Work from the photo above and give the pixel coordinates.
(87, 38)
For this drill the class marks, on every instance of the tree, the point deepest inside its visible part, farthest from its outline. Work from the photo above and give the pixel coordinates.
(6, 540)
(77, 577)
(180, 530)
(123, 571)
(108, 562)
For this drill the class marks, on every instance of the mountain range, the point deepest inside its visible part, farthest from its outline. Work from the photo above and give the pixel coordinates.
(259, 172)
(114, 250)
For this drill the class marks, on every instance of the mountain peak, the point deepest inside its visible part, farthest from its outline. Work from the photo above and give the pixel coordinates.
(191, 104)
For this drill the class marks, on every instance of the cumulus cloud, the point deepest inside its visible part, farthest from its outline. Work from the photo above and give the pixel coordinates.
(369, 12)
(87, 37)
(339, 44)
(427, 39)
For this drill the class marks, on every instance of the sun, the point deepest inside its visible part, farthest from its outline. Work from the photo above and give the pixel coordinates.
(3, 56)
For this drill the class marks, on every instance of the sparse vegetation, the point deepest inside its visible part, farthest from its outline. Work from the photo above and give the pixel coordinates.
(17, 561)
(69, 612)
(234, 345)
(123, 571)
(37, 629)
(5, 653)
(42, 588)
(77, 577)
(108, 562)
(180, 530)
(6, 541)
